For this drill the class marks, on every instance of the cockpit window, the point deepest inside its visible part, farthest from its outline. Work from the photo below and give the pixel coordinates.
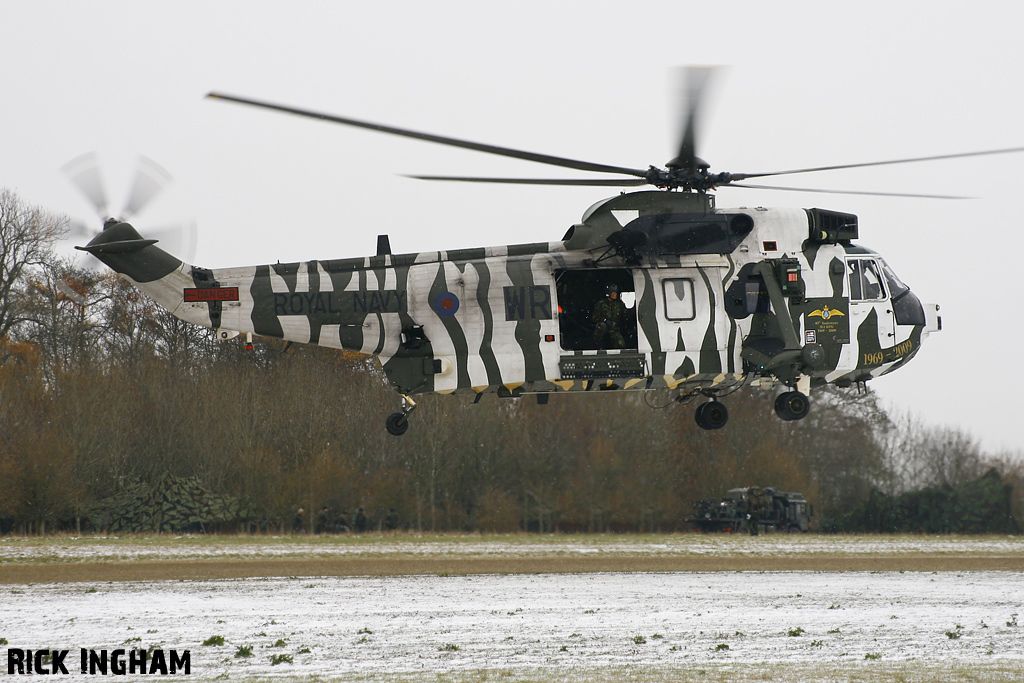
(906, 306)
(896, 286)
(865, 281)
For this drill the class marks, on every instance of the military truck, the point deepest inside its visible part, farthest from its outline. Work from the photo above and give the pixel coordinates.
(774, 510)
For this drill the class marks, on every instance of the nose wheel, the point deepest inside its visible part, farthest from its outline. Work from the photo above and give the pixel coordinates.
(711, 415)
(398, 423)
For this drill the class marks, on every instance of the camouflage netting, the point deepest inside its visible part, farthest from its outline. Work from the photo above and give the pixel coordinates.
(976, 507)
(171, 504)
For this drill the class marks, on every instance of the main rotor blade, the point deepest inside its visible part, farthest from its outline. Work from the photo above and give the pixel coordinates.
(695, 81)
(150, 180)
(821, 191)
(602, 182)
(939, 157)
(453, 142)
(84, 172)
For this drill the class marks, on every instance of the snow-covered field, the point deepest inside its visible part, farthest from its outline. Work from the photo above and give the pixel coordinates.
(601, 627)
(94, 549)
(550, 627)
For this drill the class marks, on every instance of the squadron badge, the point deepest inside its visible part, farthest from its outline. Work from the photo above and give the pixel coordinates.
(825, 313)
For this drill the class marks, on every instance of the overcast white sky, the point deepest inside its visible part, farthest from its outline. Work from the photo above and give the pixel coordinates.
(809, 83)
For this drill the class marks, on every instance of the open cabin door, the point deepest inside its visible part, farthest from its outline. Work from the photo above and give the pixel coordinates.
(586, 319)
(597, 325)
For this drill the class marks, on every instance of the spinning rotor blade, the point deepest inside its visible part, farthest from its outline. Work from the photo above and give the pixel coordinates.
(79, 230)
(84, 173)
(178, 240)
(1010, 150)
(602, 182)
(871, 194)
(65, 289)
(452, 142)
(150, 180)
(686, 172)
(694, 82)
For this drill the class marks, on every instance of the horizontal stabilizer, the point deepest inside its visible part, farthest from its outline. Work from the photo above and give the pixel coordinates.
(119, 247)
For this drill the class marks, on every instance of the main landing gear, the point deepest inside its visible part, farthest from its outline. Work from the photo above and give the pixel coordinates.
(792, 405)
(789, 406)
(398, 423)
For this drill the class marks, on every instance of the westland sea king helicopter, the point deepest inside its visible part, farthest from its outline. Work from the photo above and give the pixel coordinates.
(652, 289)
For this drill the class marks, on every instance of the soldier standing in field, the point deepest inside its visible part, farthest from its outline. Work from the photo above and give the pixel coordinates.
(608, 316)
(755, 505)
(391, 521)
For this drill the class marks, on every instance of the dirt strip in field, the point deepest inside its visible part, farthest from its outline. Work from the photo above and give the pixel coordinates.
(191, 569)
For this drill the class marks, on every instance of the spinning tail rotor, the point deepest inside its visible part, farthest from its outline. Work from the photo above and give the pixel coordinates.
(149, 181)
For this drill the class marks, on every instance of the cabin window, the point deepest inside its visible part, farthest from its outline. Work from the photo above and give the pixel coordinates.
(865, 280)
(679, 299)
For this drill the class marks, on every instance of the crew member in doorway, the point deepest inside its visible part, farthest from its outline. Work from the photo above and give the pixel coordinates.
(608, 317)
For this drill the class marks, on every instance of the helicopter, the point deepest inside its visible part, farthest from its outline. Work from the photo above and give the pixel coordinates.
(705, 300)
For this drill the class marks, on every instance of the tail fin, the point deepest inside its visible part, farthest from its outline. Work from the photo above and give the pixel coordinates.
(163, 277)
(122, 248)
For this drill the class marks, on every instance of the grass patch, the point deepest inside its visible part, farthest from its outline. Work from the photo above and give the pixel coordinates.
(281, 659)
(161, 557)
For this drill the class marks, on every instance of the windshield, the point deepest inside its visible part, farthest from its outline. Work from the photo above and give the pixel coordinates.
(896, 286)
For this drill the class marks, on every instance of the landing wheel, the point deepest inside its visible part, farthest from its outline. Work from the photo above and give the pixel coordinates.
(711, 415)
(397, 424)
(792, 405)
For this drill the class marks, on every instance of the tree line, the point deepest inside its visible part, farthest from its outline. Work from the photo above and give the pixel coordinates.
(102, 392)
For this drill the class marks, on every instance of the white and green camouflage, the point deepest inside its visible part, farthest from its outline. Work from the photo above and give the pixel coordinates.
(720, 298)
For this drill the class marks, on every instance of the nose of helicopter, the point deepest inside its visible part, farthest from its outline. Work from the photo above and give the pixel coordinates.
(932, 320)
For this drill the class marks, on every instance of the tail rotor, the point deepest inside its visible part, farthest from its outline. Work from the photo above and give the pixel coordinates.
(150, 179)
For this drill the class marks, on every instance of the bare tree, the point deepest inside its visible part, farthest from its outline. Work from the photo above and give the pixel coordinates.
(26, 235)
(60, 315)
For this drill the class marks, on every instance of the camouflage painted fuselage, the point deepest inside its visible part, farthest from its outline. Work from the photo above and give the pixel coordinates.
(719, 298)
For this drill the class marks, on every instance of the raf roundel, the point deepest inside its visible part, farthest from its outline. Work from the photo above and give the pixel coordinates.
(446, 304)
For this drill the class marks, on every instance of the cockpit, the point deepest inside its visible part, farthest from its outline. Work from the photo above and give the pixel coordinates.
(871, 279)
(865, 280)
